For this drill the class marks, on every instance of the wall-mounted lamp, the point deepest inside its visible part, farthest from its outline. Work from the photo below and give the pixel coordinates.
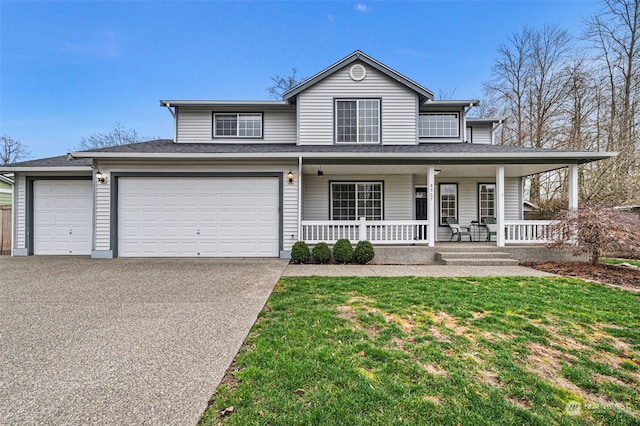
(290, 176)
(100, 177)
(320, 173)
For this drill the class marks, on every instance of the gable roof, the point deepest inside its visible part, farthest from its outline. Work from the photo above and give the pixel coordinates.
(357, 56)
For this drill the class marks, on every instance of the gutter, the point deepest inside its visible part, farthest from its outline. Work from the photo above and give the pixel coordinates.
(344, 156)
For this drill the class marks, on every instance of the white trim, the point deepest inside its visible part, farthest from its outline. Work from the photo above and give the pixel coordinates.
(431, 205)
(5, 191)
(500, 237)
(336, 155)
(573, 187)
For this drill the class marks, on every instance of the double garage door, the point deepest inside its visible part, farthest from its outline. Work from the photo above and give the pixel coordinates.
(164, 217)
(198, 217)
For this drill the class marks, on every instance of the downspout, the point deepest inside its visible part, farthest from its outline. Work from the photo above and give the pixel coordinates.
(175, 122)
(300, 198)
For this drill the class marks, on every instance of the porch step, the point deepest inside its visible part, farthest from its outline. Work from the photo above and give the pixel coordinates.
(475, 257)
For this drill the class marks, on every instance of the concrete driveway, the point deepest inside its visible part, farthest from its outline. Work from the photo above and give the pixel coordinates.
(122, 341)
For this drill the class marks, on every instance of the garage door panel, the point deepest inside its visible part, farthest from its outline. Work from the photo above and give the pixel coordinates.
(207, 216)
(62, 217)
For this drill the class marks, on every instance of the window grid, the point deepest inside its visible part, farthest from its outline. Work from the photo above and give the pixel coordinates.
(351, 201)
(448, 202)
(487, 200)
(358, 121)
(238, 125)
(439, 125)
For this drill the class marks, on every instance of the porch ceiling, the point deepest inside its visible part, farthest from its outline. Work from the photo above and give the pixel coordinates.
(446, 171)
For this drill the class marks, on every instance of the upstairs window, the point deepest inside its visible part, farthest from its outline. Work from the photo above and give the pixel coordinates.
(358, 121)
(439, 125)
(238, 125)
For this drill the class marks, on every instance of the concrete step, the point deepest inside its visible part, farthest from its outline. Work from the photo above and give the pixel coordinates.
(471, 255)
(480, 262)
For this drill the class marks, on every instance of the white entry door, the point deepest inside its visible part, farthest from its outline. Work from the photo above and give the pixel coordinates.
(62, 217)
(198, 216)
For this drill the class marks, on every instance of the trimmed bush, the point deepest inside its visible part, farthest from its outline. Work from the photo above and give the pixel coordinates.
(364, 252)
(321, 253)
(342, 251)
(300, 252)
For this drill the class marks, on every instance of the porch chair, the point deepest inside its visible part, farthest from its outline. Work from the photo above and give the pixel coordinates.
(457, 230)
(492, 227)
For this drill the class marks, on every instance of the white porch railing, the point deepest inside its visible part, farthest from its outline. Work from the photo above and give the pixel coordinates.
(375, 231)
(528, 231)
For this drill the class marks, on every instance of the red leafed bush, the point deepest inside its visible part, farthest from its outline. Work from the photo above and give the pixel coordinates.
(593, 230)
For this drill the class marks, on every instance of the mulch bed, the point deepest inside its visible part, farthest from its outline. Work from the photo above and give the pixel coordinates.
(602, 273)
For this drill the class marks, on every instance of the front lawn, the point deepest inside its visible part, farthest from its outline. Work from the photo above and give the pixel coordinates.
(415, 351)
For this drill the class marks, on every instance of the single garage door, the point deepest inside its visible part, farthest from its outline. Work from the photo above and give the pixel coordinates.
(62, 217)
(203, 216)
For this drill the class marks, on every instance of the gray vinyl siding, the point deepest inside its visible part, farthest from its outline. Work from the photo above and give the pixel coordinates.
(397, 105)
(195, 125)
(103, 215)
(481, 133)
(289, 193)
(397, 195)
(20, 211)
(468, 202)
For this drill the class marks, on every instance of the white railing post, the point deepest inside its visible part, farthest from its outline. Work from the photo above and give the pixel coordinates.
(363, 229)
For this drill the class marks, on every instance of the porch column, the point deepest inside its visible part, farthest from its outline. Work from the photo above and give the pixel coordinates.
(431, 205)
(299, 199)
(500, 206)
(573, 187)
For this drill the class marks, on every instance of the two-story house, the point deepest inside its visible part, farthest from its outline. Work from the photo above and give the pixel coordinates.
(357, 151)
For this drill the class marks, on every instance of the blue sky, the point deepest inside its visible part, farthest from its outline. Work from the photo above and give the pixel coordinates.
(72, 68)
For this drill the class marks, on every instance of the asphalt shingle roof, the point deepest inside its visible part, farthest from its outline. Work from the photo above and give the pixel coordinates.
(167, 146)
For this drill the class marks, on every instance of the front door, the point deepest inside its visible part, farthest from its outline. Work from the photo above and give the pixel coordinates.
(421, 203)
(421, 207)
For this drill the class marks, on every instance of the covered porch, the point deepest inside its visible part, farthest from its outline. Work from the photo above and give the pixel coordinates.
(406, 203)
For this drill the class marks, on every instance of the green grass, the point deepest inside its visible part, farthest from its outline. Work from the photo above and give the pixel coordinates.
(619, 261)
(418, 351)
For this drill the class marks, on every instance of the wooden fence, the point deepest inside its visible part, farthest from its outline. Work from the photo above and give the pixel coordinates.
(5, 230)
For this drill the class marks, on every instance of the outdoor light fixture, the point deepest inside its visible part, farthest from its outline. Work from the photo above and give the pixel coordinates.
(320, 173)
(290, 176)
(437, 172)
(100, 177)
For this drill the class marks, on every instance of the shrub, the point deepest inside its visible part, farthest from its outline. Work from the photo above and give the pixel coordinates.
(321, 253)
(300, 252)
(342, 251)
(593, 230)
(364, 252)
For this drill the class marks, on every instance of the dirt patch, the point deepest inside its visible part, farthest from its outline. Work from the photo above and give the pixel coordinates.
(432, 399)
(490, 378)
(546, 363)
(522, 403)
(435, 370)
(623, 276)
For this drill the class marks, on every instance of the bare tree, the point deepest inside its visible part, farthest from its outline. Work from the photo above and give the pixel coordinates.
(283, 84)
(530, 81)
(117, 136)
(614, 34)
(13, 150)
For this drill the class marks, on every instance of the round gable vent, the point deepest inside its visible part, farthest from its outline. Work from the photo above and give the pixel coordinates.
(357, 72)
